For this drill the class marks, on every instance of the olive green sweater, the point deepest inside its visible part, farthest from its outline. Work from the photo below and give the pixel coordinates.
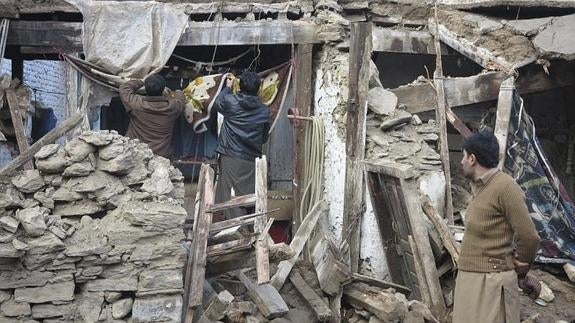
(494, 216)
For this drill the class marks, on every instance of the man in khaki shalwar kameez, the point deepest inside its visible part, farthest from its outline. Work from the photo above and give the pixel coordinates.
(486, 289)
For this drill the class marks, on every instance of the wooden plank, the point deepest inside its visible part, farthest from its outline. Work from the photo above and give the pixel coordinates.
(262, 251)
(441, 118)
(354, 195)
(389, 168)
(442, 228)
(216, 309)
(380, 283)
(318, 306)
(238, 201)
(297, 244)
(48, 138)
(265, 296)
(200, 239)
(303, 98)
(420, 236)
(16, 115)
(368, 298)
(239, 221)
(230, 247)
(419, 271)
(404, 41)
(504, 106)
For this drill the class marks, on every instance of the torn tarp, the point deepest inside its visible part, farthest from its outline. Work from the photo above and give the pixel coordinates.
(551, 209)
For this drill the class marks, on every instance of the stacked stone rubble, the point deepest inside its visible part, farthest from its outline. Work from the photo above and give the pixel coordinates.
(93, 234)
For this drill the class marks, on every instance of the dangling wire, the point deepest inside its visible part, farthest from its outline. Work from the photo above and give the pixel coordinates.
(218, 28)
(256, 58)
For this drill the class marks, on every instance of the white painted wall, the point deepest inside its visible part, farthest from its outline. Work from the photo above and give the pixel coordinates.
(330, 99)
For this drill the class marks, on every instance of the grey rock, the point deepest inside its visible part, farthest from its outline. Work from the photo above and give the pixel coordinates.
(11, 308)
(19, 245)
(76, 208)
(24, 278)
(175, 174)
(159, 183)
(112, 150)
(9, 223)
(97, 138)
(179, 192)
(159, 282)
(56, 163)
(43, 198)
(47, 151)
(120, 165)
(422, 309)
(89, 184)
(43, 311)
(6, 236)
(122, 308)
(89, 306)
(54, 180)
(137, 175)
(28, 181)
(33, 220)
(157, 162)
(65, 195)
(48, 293)
(78, 149)
(398, 118)
(83, 168)
(7, 250)
(374, 80)
(11, 198)
(112, 285)
(47, 243)
(381, 101)
(111, 297)
(30, 203)
(87, 240)
(113, 186)
(161, 309)
(57, 231)
(156, 216)
(4, 296)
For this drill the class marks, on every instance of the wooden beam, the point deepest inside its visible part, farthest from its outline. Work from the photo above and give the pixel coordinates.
(265, 296)
(380, 283)
(225, 248)
(354, 195)
(261, 194)
(200, 240)
(48, 138)
(238, 201)
(16, 116)
(303, 90)
(504, 107)
(444, 233)
(313, 300)
(389, 168)
(424, 288)
(297, 244)
(441, 118)
(66, 36)
(404, 41)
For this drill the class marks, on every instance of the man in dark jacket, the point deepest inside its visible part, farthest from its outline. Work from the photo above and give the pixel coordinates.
(243, 133)
(152, 117)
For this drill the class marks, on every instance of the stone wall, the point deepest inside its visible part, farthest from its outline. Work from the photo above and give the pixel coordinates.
(92, 234)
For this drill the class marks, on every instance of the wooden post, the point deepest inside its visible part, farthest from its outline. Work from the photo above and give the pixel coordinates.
(441, 116)
(303, 101)
(18, 125)
(197, 263)
(266, 297)
(320, 309)
(261, 191)
(504, 104)
(354, 196)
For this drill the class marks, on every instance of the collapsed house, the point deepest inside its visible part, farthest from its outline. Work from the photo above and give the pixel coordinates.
(374, 237)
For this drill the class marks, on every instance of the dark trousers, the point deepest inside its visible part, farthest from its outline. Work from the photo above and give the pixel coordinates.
(239, 174)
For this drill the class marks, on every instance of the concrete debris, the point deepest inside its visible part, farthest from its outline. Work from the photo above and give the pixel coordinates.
(89, 238)
(570, 271)
(400, 117)
(556, 40)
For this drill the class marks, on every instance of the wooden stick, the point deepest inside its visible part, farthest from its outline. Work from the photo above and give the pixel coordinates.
(380, 283)
(238, 201)
(442, 229)
(18, 125)
(297, 244)
(266, 229)
(265, 296)
(291, 116)
(320, 309)
(230, 247)
(262, 251)
(48, 138)
(504, 105)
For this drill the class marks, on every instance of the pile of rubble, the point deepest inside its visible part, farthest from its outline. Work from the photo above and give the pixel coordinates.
(93, 234)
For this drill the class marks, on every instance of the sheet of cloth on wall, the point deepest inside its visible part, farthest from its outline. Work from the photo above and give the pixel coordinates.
(551, 208)
(130, 39)
(202, 92)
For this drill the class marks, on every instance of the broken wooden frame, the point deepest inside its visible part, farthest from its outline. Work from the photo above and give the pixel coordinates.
(395, 199)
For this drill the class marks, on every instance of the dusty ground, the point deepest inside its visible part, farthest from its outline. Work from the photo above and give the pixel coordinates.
(562, 308)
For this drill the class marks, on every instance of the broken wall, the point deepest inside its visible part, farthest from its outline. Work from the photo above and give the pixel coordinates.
(330, 100)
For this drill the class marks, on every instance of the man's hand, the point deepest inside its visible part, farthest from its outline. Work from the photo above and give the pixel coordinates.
(521, 268)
